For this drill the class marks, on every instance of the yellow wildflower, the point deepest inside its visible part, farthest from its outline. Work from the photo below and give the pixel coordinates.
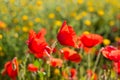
(58, 8)
(25, 17)
(111, 23)
(100, 12)
(78, 17)
(16, 35)
(38, 3)
(80, 1)
(73, 14)
(15, 20)
(58, 23)
(117, 38)
(1, 36)
(106, 41)
(87, 22)
(90, 9)
(57, 71)
(84, 13)
(2, 54)
(51, 15)
(30, 23)
(86, 32)
(25, 29)
(37, 20)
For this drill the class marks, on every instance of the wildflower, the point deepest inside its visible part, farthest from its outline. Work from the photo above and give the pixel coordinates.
(1, 36)
(58, 8)
(86, 32)
(11, 69)
(67, 36)
(51, 15)
(37, 20)
(55, 62)
(111, 53)
(111, 23)
(83, 13)
(73, 14)
(90, 9)
(100, 12)
(116, 67)
(58, 23)
(30, 23)
(80, 1)
(2, 25)
(87, 22)
(15, 20)
(25, 29)
(71, 55)
(24, 17)
(106, 41)
(73, 73)
(38, 3)
(32, 68)
(90, 40)
(57, 71)
(37, 43)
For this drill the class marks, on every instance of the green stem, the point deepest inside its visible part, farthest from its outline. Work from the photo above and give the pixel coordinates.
(97, 60)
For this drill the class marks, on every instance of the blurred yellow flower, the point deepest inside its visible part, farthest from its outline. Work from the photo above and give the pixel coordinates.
(16, 35)
(83, 13)
(106, 42)
(58, 23)
(56, 71)
(51, 15)
(58, 8)
(1, 36)
(24, 17)
(80, 1)
(86, 32)
(100, 12)
(25, 29)
(111, 23)
(30, 23)
(78, 17)
(87, 22)
(73, 14)
(0, 48)
(2, 54)
(12, 1)
(117, 38)
(89, 3)
(2, 25)
(91, 9)
(15, 20)
(38, 3)
(37, 20)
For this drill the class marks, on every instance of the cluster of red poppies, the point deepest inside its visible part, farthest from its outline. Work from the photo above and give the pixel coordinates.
(67, 37)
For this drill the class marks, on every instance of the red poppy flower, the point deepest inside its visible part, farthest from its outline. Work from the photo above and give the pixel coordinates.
(11, 68)
(116, 67)
(67, 35)
(90, 40)
(71, 55)
(54, 62)
(111, 53)
(37, 43)
(32, 68)
(73, 73)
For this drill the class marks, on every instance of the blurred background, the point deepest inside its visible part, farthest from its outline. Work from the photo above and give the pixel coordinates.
(17, 17)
